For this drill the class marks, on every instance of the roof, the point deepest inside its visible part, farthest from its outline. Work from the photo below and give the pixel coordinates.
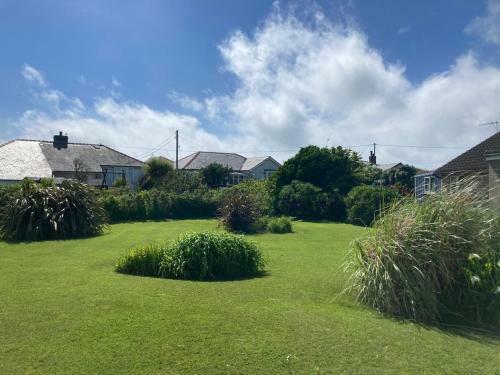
(234, 161)
(473, 160)
(386, 167)
(31, 158)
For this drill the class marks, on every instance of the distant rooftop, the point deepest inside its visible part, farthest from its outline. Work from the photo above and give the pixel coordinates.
(37, 159)
(234, 161)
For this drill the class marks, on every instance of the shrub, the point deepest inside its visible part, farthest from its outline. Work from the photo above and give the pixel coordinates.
(432, 260)
(260, 190)
(211, 256)
(36, 213)
(122, 205)
(239, 211)
(365, 202)
(142, 261)
(306, 201)
(215, 175)
(279, 225)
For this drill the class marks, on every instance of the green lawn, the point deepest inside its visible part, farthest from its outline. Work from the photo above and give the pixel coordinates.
(64, 310)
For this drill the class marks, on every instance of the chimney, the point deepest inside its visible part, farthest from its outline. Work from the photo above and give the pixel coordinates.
(60, 141)
(372, 159)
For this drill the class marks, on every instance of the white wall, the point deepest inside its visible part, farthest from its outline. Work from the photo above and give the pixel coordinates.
(267, 165)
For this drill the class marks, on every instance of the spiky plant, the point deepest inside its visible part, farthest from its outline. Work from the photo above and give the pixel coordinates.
(433, 259)
(37, 213)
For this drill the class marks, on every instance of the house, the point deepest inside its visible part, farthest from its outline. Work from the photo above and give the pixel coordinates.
(493, 159)
(94, 164)
(243, 168)
(480, 161)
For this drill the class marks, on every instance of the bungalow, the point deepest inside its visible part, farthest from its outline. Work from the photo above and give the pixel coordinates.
(482, 161)
(94, 164)
(242, 167)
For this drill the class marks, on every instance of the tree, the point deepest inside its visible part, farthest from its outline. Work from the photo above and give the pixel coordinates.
(402, 177)
(80, 170)
(335, 169)
(215, 175)
(306, 201)
(156, 171)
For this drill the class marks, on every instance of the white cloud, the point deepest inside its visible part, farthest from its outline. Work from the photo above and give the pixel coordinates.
(33, 75)
(115, 82)
(185, 101)
(297, 84)
(301, 83)
(487, 27)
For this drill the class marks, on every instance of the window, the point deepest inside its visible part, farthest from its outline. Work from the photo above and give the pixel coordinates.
(429, 184)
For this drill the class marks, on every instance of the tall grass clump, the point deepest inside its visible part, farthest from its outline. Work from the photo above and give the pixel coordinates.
(142, 261)
(432, 261)
(211, 256)
(196, 256)
(36, 212)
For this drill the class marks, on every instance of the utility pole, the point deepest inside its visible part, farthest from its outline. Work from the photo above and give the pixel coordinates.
(176, 149)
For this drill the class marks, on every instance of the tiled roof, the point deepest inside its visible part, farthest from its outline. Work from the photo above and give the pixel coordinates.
(386, 167)
(252, 162)
(30, 158)
(20, 159)
(474, 159)
(236, 162)
(202, 159)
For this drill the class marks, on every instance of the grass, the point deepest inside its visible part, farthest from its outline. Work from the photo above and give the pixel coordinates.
(64, 310)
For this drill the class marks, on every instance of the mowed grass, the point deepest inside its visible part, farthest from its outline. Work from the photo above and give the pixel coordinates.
(64, 310)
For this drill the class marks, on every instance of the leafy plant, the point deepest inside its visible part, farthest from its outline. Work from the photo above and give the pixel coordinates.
(211, 256)
(239, 211)
(432, 260)
(280, 225)
(365, 202)
(156, 171)
(36, 213)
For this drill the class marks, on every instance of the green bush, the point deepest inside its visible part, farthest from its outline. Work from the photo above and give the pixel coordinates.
(365, 202)
(306, 201)
(36, 213)
(280, 225)
(259, 190)
(196, 256)
(239, 211)
(432, 260)
(142, 261)
(211, 256)
(123, 205)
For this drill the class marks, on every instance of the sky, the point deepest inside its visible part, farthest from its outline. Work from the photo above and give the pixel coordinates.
(253, 77)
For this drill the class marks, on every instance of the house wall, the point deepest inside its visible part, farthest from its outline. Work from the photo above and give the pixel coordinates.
(420, 191)
(259, 172)
(494, 183)
(132, 175)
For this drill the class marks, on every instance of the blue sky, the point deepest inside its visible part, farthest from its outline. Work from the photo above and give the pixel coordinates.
(253, 76)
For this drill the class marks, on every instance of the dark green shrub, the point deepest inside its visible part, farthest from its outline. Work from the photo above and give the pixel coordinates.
(211, 256)
(215, 175)
(158, 204)
(280, 225)
(306, 201)
(432, 260)
(239, 211)
(365, 203)
(36, 213)
(142, 261)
